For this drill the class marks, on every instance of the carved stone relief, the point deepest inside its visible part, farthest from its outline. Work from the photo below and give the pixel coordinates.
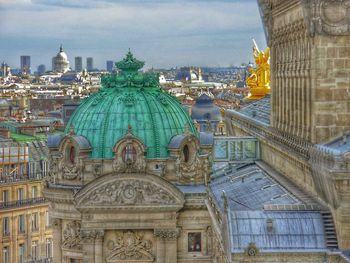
(130, 192)
(330, 17)
(188, 172)
(128, 245)
(72, 235)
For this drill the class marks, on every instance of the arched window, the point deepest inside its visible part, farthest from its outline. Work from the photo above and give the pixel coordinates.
(129, 154)
(186, 153)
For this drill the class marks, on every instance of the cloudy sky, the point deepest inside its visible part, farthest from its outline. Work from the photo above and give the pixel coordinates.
(164, 33)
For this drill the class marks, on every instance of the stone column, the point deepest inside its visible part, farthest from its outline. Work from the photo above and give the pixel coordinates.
(88, 242)
(57, 240)
(167, 239)
(99, 246)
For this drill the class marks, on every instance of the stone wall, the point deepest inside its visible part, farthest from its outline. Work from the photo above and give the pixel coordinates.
(331, 87)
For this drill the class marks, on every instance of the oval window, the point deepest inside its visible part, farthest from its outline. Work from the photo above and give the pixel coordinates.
(186, 153)
(72, 154)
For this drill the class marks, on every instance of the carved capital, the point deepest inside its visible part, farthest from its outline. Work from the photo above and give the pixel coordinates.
(89, 236)
(167, 234)
(56, 223)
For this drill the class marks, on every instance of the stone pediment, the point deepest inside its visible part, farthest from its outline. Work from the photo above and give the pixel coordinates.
(129, 192)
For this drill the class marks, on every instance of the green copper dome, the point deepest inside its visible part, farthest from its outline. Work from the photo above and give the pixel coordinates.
(130, 98)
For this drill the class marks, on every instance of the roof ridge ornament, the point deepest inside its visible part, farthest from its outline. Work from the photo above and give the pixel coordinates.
(130, 63)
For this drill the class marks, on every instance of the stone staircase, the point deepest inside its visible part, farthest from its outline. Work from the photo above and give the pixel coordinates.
(329, 228)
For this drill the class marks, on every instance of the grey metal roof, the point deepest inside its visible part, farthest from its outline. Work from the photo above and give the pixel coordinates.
(292, 230)
(192, 188)
(53, 140)
(176, 141)
(206, 138)
(83, 143)
(264, 212)
(250, 188)
(259, 110)
(340, 145)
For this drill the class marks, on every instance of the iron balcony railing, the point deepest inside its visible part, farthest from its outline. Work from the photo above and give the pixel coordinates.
(24, 202)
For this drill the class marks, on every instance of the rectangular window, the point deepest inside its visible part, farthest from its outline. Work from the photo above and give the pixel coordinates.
(239, 150)
(48, 247)
(20, 194)
(6, 226)
(35, 252)
(6, 255)
(249, 149)
(21, 224)
(5, 196)
(21, 253)
(34, 192)
(35, 222)
(194, 242)
(220, 149)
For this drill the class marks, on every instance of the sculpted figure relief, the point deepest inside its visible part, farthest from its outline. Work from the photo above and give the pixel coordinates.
(129, 245)
(72, 236)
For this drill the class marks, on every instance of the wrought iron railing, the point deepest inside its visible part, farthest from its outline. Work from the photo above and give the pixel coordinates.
(24, 202)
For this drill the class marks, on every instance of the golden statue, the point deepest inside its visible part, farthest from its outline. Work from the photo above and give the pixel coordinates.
(259, 80)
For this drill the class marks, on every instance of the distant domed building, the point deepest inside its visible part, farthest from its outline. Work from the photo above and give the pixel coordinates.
(60, 62)
(207, 115)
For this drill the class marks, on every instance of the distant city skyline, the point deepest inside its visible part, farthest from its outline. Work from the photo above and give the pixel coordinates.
(164, 33)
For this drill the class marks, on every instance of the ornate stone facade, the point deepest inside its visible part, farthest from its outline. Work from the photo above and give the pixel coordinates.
(125, 205)
(309, 41)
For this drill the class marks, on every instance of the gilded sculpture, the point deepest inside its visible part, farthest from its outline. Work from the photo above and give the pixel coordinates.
(259, 80)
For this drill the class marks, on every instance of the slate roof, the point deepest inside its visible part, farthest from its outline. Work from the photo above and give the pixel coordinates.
(250, 189)
(256, 198)
(258, 110)
(292, 230)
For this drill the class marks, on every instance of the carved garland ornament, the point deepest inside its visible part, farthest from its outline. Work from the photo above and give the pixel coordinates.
(167, 234)
(129, 245)
(130, 192)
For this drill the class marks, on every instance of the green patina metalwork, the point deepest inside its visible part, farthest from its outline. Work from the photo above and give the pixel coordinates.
(130, 98)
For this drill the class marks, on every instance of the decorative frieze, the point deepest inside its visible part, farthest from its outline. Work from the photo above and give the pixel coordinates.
(167, 234)
(130, 192)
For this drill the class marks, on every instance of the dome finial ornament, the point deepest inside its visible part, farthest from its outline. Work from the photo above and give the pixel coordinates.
(61, 48)
(129, 63)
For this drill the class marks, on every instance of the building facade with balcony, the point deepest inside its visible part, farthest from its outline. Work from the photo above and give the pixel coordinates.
(25, 229)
